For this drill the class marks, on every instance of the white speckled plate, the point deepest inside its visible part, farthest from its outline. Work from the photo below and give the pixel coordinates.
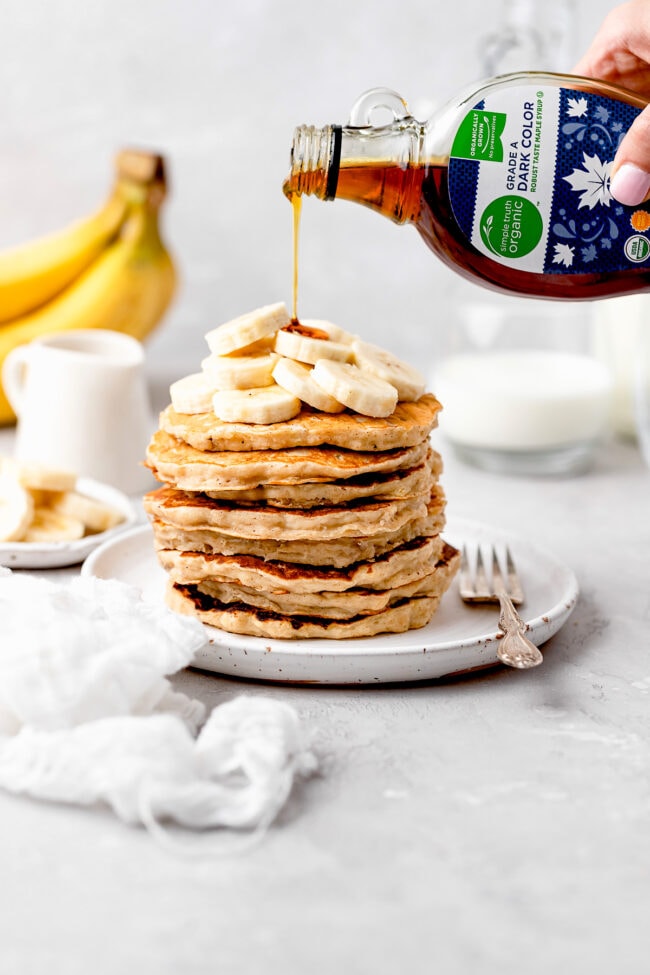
(55, 555)
(458, 639)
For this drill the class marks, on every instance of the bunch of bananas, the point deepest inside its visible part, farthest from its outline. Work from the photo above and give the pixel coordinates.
(110, 270)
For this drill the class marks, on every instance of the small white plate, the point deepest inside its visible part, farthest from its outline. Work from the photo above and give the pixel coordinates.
(459, 638)
(55, 555)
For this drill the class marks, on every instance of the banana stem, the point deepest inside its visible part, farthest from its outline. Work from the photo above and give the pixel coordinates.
(138, 166)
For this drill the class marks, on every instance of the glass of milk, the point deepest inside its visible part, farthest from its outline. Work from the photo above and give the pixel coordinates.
(521, 391)
(622, 341)
(642, 393)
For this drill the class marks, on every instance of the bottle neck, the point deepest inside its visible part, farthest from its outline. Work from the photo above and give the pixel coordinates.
(348, 162)
(315, 160)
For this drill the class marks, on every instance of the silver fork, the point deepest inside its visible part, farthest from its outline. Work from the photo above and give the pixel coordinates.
(514, 649)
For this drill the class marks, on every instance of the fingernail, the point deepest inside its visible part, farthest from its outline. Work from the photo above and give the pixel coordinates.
(630, 185)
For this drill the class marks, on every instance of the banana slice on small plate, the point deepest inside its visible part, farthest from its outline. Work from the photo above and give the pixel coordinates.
(100, 503)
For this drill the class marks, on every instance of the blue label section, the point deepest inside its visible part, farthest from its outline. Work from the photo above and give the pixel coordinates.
(463, 177)
(558, 148)
(589, 231)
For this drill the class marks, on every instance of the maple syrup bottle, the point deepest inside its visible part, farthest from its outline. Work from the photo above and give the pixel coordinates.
(509, 184)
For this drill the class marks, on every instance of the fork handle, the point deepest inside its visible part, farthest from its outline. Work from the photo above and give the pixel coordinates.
(515, 649)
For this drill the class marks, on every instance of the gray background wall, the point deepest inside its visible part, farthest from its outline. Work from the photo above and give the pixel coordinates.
(219, 87)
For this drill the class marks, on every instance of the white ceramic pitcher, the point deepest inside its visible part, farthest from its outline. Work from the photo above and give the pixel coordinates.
(82, 404)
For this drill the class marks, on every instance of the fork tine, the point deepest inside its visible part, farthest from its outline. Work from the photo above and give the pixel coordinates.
(464, 564)
(515, 590)
(482, 585)
(498, 584)
(464, 576)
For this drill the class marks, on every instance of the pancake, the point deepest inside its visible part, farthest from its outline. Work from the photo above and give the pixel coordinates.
(409, 424)
(338, 552)
(403, 483)
(189, 511)
(177, 463)
(328, 605)
(404, 564)
(238, 617)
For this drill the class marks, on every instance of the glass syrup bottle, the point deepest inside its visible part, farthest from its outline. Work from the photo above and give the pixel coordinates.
(508, 185)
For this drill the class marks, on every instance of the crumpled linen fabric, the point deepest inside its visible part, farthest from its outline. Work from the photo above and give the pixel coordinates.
(87, 714)
(87, 650)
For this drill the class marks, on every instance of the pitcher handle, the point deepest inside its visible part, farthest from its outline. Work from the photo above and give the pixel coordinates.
(376, 98)
(14, 371)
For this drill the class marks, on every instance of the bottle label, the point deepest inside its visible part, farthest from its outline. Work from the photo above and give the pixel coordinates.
(529, 182)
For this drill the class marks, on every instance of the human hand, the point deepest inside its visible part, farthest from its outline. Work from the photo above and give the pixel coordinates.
(620, 53)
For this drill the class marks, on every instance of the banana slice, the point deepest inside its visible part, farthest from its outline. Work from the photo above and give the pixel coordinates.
(50, 526)
(239, 371)
(261, 347)
(41, 497)
(39, 477)
(193, 393)
(246, 329)
(408, 382)
(358, 390)
(16, 509)
(296, 378)
(94, 515)
(335, 332)
(266, 404)
(309, 345)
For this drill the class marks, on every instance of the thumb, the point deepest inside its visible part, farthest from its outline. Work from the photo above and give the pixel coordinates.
(630, 179)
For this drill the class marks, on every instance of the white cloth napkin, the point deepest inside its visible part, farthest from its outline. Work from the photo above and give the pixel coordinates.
(87, 714)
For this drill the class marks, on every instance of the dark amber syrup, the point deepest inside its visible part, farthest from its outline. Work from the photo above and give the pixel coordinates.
(420, 195)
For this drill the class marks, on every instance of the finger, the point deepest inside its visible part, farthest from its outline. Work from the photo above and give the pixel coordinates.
(630, 179)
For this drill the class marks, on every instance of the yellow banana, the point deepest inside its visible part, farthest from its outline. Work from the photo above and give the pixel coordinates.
(127, 288)
(33, 273)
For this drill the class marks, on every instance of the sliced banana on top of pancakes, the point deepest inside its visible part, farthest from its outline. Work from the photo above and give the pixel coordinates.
(235, 335)
(263, 365)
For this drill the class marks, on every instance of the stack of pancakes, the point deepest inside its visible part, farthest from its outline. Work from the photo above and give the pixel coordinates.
(323, 525)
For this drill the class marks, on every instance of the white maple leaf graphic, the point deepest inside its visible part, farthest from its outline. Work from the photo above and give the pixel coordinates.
(577, 107)
(563, 254)
(592, 182)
